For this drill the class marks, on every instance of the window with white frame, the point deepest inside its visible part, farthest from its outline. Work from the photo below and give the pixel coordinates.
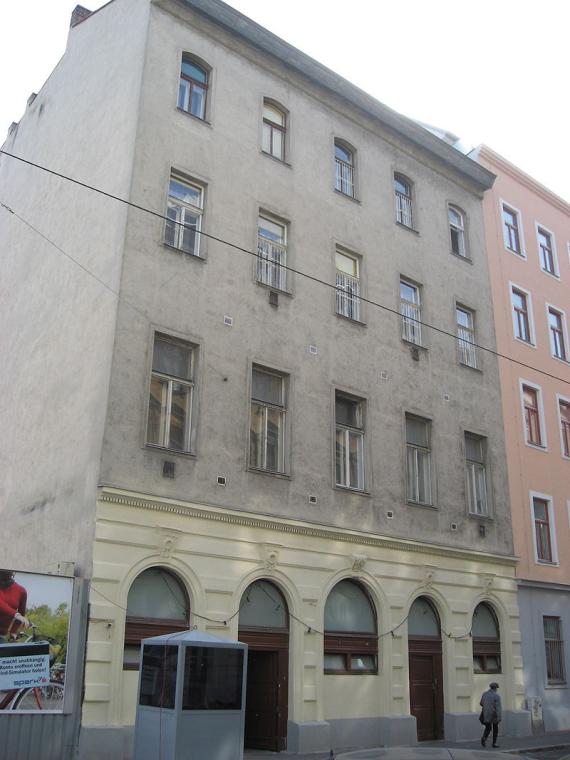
(543, 530)
(532, 410)
(564, 413)
(554, 650)
(557, 330)
(511, 230)
(272, 252)
(169, 422)
(476, 476)
(457, 231)
(347, 284)
(403, 199)
(267, 423)
(193, 89)
(274, 130)
(418, 460)
(349, 442)
(546, 251)
(344, 169)
(410, 309)
(521, 315)
(466, 336)
(350, 640)
(184, 215)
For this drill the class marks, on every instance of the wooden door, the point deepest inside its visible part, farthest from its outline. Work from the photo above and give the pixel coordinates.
(426, 688)
(262, 703)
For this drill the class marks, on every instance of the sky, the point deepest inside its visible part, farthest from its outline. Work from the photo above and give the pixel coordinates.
(493, 72)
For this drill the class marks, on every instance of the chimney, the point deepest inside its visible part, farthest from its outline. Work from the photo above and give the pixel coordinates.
(78, 15)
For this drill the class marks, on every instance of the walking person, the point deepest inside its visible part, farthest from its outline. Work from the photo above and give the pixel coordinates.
(491, 714)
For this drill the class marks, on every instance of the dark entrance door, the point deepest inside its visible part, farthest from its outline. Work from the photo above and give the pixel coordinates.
(426, 688)
(264, 623)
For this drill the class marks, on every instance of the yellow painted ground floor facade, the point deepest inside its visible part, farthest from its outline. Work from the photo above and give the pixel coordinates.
(217, 554)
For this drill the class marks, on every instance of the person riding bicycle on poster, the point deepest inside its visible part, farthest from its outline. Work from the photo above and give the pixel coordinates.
(13, 600)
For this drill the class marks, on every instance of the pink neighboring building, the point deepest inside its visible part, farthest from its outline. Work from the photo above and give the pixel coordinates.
(528, 244)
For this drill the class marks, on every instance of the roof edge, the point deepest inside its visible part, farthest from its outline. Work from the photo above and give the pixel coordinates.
(232, 20)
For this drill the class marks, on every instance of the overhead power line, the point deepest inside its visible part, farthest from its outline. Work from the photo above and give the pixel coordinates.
(254, 254)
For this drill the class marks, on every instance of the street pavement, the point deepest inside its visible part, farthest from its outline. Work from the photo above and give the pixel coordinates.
(548, 746)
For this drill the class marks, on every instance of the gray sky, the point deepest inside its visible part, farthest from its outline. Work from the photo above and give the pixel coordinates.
(495, 71)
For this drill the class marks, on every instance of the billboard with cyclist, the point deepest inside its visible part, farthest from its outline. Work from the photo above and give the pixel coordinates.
(34, 626)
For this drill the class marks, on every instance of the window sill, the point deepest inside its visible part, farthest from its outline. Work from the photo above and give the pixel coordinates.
(170, 452)
(270, 473)
(351, 320)
(516, 253)
(265, 286)
(536, 447)
(352, 198)
(411, 344)
(484, 518)
(419, 504)
(469, 366)
(565, 362)
(554, 686)
(181, 251)
(281, 161)
(528, 343)
(350, 672)
(466, 259)
(546, 563)
(194, 117)
(355, 491)
(553, 275)
(406, 227)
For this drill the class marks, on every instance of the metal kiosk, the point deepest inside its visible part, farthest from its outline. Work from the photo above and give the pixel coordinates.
(191, 703)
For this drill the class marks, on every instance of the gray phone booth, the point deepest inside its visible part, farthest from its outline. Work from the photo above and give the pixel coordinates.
(191, 703)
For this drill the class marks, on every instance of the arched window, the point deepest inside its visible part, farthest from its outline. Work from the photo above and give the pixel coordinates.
(486, 640)
(344, 168)
(351, 641)
(193, 88)
(423, 620)
(457, 230)
(263, 606)
(157, 604)
(403, 198)
(274, 130)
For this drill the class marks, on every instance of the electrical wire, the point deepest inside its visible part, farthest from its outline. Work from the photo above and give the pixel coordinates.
(256, 255)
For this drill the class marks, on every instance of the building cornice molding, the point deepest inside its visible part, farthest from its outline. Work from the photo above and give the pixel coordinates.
(283, 525)
(503, 165)
(257, 36)
(543, 585)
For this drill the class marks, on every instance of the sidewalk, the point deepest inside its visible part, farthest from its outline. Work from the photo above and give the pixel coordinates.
(507, 744)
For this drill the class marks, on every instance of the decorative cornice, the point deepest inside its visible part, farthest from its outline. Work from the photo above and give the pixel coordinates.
(283, 525)
(501, 164)
(544, 585)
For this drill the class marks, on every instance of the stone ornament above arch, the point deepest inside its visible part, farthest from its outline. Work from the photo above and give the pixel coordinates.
(168, 539)
(269, 555)
(358, 562)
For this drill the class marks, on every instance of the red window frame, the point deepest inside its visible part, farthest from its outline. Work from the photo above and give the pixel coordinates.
(532, 416)
(564, 408)
(522, 322)
(512, 228)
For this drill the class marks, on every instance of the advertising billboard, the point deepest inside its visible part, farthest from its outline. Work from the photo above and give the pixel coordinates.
(34, 627)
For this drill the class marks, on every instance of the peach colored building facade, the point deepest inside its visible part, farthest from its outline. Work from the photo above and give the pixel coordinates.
(528, 243)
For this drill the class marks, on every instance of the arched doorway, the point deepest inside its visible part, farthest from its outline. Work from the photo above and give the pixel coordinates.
(264, 627)
(426, 670)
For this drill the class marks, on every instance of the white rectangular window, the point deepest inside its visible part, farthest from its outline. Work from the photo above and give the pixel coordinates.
(511, 230)
(349, 445)
(267, 424)
(171, 394)
(521, 315)
(418, 460)
(546, 251)
(533, 415)
(544, 529)
(564, 415)
(466, 336)
(410, 309)
(347, 285)
(475, 471)
(272, 252)
(557, 331)
(184, 215)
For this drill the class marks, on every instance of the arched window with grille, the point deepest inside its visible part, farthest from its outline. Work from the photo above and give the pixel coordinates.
(351, 639)
(403, 200)
(345, 178)
(486, 640)
(157, 604)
